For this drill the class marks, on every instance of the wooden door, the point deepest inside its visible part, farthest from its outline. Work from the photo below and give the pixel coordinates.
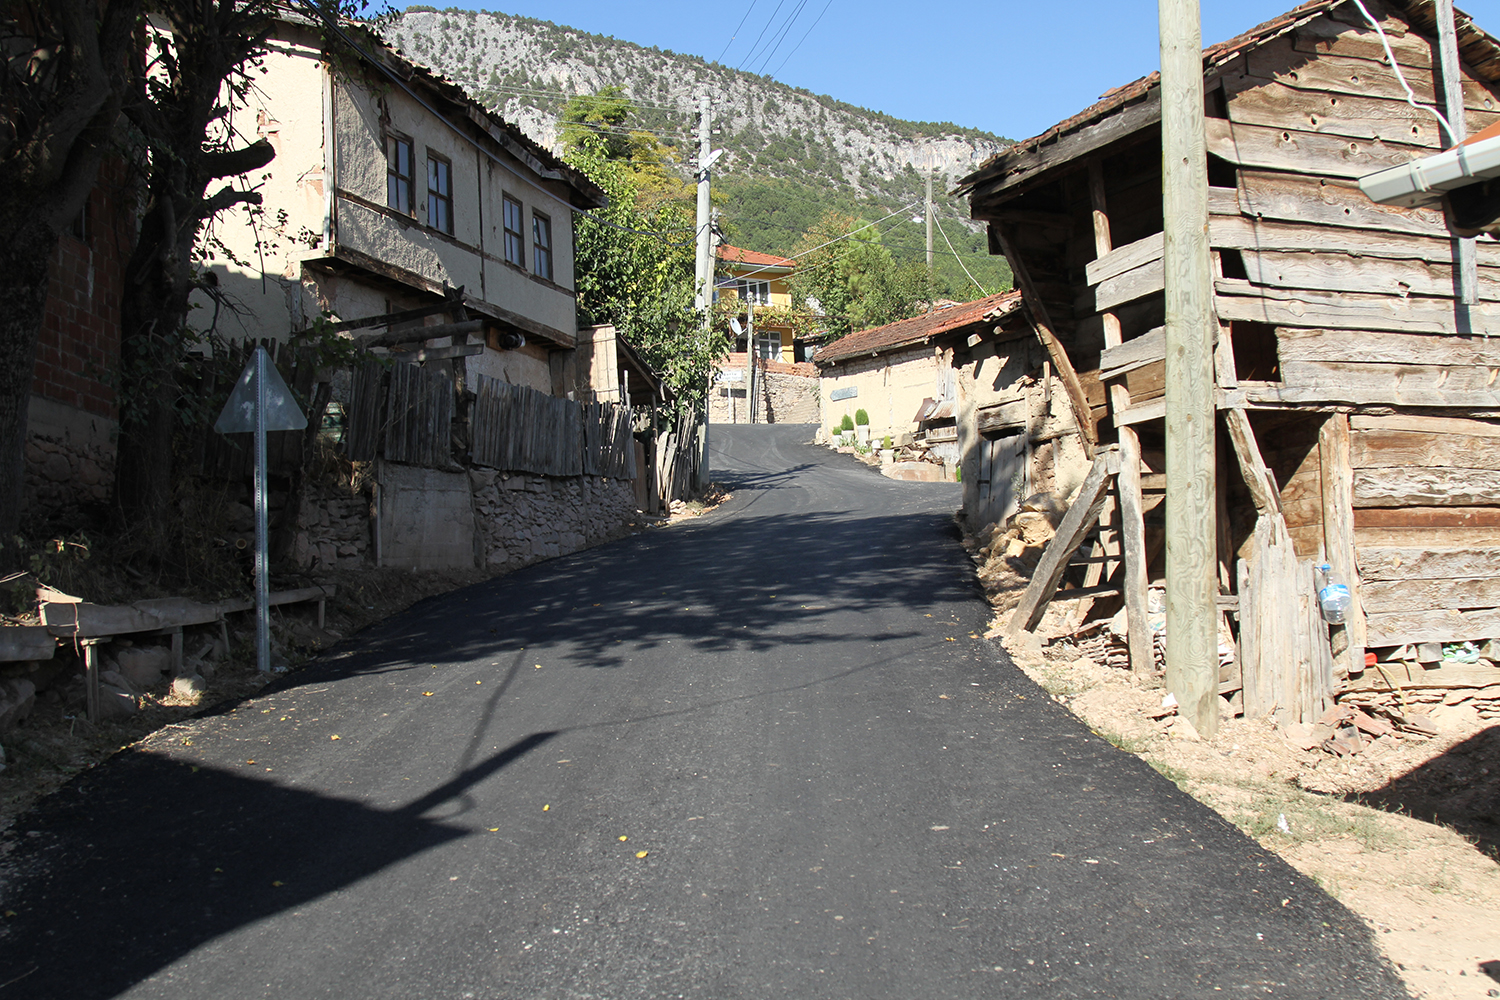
(1002, 476)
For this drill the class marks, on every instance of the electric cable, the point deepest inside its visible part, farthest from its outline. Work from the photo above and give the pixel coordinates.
(736, 34)
(809, 31)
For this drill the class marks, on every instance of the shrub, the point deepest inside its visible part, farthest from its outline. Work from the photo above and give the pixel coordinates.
(848, 424)
(862, 418)
(887, 444)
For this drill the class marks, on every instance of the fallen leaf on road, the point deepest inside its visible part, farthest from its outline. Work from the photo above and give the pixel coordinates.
(479, 682)
(950, 639)
(277, 883)
(546, 807)
(249, 762)
(1056, 855)
(623, 837)
(641, 854)
(943, 696)
(937, 829)
(539, 666)
(494, 829)
(335, 737)
(426, 694)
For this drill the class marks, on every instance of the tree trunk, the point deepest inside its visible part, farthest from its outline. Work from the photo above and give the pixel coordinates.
(25, 262)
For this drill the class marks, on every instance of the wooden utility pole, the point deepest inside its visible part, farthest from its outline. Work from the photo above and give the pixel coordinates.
(1192, 618)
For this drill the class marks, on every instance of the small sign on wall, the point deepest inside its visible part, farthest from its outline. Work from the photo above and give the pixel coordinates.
(848, 393)
(732, 376)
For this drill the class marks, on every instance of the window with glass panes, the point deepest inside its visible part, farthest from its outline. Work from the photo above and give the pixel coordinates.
(758, 292)
(541, 246)
(515, 243)
(439, 194)
(398, 174)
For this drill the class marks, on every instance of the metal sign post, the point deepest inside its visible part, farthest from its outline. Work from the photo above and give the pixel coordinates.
(261, 402)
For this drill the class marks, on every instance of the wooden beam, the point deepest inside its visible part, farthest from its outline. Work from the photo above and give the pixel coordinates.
(1132, 519)
(27, 643)
(1120, 357)
(1305, 152)
(1439, 487)
(1253, 468)
(1083, 414)
(1076, 523)
(1238, 299)
(420, 334)
(1010, 171)
(1337, 476)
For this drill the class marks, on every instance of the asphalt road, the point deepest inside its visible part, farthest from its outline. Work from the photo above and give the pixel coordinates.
(761, 755)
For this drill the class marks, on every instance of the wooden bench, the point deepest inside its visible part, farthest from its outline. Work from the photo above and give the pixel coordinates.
(91, 625)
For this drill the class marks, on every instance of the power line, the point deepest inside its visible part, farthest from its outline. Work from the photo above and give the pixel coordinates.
(960, 259)
(736, 34)
(781, 35)
(762, 34)
(802, 39)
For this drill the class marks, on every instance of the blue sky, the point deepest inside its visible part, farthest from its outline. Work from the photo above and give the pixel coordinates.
(1008, 67)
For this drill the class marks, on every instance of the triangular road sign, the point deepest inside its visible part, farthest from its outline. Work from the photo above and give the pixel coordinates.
(282, 412)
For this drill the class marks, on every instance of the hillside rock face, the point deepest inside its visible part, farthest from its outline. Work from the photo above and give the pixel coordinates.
(523, 68)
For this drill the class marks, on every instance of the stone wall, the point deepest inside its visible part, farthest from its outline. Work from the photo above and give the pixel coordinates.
(70, 461)
(333, 529)
(517, 519)
(790, 399)
(522, 518)
(787, 393)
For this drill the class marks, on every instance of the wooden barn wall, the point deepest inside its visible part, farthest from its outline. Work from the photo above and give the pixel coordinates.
(1427, 527)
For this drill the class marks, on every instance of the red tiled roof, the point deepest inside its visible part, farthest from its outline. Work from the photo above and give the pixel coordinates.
(738, 255)
(906, 332)
(1479, 50)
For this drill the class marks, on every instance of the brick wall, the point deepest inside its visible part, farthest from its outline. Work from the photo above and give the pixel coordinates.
(80, 335)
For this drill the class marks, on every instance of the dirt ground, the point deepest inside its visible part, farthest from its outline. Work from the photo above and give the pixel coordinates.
(1403, 833)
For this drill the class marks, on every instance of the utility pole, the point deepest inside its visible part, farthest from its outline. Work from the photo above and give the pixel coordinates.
(928, 214)
(703, 287)
(1192, 615)
(703, 276)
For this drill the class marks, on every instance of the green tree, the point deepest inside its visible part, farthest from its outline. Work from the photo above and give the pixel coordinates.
(844, 272)
(634, 258)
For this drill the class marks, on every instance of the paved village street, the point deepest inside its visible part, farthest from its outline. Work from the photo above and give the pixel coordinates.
(763, 754)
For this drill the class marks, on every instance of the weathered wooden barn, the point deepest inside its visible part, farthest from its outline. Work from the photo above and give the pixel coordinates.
(1356, 391)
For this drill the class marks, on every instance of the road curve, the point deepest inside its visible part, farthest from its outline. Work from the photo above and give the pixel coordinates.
(764, 754)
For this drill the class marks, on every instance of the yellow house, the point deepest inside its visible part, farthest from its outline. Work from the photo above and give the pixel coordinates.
(763, 281)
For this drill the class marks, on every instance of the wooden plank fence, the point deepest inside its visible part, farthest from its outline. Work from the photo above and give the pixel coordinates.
(419, 417)
(363, 423)
(608, 441)
(521, 430)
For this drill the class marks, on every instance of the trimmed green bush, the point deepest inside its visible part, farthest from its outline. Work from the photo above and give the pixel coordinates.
(862, 418)
(848, 424)
(887, 444)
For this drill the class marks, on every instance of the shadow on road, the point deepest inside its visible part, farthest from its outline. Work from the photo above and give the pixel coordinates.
(209, 856)
(751, 583)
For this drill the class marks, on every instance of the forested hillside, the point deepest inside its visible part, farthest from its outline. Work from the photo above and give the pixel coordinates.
(790, 155)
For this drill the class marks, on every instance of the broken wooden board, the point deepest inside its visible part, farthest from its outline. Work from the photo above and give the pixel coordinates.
(1076, 524)
(1448, 676)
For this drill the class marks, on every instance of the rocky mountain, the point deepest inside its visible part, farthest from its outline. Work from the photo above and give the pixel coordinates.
(789, 154)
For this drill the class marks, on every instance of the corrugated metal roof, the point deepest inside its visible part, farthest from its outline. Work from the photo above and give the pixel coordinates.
(906, 332)
(1480, 52)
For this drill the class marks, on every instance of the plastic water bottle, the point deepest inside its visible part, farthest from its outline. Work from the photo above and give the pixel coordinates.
(1333, 597)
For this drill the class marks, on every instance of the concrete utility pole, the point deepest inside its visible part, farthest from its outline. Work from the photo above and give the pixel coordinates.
(1192, 615)
(928, 214)
(703, 286)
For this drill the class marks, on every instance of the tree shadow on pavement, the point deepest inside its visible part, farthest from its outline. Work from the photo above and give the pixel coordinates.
(751, 583)
(138, 863)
